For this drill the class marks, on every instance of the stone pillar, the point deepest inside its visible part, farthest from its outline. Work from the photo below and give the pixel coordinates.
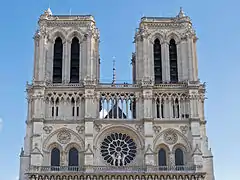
(139, 59)
(196, 142)
(36, 148)
(207, 160)
(179, 60)
(171, 159)
(147, 104)
(64, 62)
(195, 62)
(190, 59)
(193, 103)
(41, 60)
(24, 165)
(91, 105)
(145, 61)
(88, 54)
(80, 61)
(36, 57)
(136, 62)
(83, 62)
(49, 61)
(165, 61)
(184, 59)
(67, 61)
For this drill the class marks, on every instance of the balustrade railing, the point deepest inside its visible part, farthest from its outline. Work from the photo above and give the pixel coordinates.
(112, 169)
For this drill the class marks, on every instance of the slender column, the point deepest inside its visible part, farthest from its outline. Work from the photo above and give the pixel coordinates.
(184, 59)
(165, 61)
(195, 64)
(179, 61)
(80, 61)
(36, 59)
(144, 58)
(140, 61)
(41, 59)
(190, 59)
(171, 159)
(88, 56)
(137, 61)
(68, 61)
(147, 59)
(151, 60)
(64, 63)
(49, 61)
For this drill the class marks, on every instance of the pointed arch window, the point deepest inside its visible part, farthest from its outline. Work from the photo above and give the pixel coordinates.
(162, 158)
(75, 53)
(173, 61)
(175, 108)
(160, 107)
(179, 157)
(55, 157)
(73, 157)
(157, 55)
(57, 61)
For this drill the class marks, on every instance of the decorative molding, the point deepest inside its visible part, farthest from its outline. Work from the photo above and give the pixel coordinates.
(184, 129)
(48, 129)
(170, 137)
(80, 129)
(157, 129)
(197, 150)
(88, 151)
(139, 127)
(149, 151)
(97, 127)
(64, 137)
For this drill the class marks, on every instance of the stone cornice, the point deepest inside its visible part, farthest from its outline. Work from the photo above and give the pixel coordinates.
(171, 121)
(117, 121)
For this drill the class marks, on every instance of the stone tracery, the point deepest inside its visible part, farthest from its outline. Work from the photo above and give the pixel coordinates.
(118, 149)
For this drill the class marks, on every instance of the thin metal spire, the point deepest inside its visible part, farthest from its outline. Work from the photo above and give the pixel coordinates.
(114, 70)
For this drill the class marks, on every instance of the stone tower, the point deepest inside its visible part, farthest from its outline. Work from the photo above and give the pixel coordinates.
(81, 128)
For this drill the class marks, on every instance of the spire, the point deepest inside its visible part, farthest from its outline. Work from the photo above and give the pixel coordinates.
(181, 13)
(114, 71)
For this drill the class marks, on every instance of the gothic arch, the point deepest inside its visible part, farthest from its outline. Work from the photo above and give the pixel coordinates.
(166, 150)
(121, 128)
(162, 145)
(156, 35)
(57, 32)
(173, 35)
(75, 33)
(73, 145)
(181, 139)
(49, 140)
(54, 145)
(121, 133)
(180, 146)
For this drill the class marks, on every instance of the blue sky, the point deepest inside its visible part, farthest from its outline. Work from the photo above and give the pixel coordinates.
(217, 25)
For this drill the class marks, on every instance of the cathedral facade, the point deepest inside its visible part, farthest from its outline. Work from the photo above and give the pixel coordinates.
(79, 128)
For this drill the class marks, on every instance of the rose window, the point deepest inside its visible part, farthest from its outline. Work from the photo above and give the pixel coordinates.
(118, 149)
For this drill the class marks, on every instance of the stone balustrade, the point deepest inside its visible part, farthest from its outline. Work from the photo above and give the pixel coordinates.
(111, 169)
